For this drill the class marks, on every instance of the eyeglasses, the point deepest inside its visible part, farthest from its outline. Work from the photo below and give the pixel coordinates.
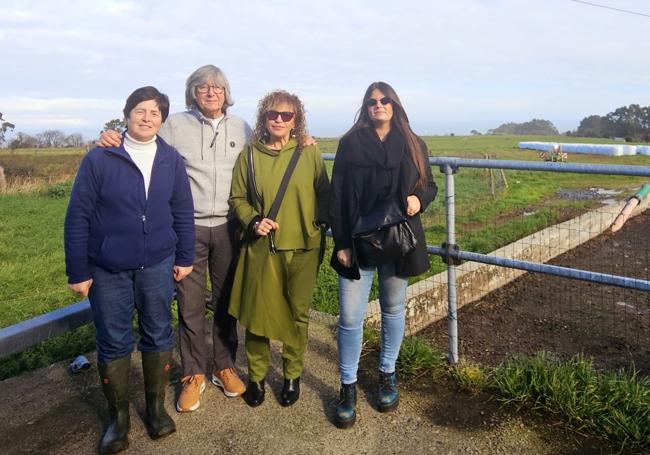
(371, 102)
(205, 88)
(285, 116)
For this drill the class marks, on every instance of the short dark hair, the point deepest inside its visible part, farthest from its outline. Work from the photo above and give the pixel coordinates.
(145, 94)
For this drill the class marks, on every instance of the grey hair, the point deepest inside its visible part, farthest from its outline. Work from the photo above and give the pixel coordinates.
(201, 76)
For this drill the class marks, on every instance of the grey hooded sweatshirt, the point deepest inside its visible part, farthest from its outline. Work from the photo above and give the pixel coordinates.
(209, 156)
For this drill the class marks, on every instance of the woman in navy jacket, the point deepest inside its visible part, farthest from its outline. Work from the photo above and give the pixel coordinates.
(129, 233)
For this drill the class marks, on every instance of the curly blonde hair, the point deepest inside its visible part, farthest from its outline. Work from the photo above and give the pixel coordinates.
(271, 99)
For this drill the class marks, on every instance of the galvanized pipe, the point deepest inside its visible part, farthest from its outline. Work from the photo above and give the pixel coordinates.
(450, 210)
(556, 270)
(580, 168)
(18, 337)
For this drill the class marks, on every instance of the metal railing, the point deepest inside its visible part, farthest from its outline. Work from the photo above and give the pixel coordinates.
(21, 336)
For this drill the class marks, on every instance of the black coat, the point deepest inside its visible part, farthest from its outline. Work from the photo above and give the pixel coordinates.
(365, 170)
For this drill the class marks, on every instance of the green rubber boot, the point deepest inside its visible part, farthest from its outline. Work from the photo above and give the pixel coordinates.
(114, 377)
(155, 369)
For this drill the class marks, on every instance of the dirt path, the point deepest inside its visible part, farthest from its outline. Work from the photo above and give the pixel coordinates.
(48, 411)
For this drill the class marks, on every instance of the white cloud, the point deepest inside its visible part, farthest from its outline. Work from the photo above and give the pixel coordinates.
(493, 61)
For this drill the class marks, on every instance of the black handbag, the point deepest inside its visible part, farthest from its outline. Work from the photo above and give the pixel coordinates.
(383, 235)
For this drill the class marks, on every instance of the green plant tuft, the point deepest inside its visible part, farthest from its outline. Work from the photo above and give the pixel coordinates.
(58, 190)
(416, 356)
(471, 377)
(615, 405)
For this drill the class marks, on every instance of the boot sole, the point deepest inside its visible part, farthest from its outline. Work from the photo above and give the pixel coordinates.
(390, 407)
(253, 404)
(115, 449)
(288, 403)
(153, 435)
(345, 424)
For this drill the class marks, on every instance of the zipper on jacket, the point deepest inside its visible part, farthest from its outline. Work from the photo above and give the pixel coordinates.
(144, 241)
(213, 150)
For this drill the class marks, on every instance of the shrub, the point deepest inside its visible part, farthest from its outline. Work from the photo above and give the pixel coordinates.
(58, 190)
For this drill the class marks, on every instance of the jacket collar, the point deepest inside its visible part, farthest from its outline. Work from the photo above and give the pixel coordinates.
(121, 151)
(261, 146)
(202, 118)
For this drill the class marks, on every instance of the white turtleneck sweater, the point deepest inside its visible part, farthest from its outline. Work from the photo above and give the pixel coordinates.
(142, 154)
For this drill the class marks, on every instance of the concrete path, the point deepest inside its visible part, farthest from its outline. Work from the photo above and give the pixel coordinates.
(49, 411)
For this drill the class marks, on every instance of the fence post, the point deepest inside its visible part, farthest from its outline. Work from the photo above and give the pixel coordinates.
(450, 209)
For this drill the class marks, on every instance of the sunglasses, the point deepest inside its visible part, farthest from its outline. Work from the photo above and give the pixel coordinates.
(371, 102)
(285, 116)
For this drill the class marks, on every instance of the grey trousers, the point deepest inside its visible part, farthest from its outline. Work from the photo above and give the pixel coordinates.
(216, 253)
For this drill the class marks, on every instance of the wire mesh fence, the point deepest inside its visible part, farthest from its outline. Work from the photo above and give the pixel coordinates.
(504, 311)
(548, 217)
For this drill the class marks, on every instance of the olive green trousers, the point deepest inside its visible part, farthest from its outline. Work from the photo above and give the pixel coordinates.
(301, 271)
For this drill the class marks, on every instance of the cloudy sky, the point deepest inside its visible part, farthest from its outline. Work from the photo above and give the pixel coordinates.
(457, 65)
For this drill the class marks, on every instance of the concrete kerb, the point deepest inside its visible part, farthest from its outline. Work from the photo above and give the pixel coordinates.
(426, 300)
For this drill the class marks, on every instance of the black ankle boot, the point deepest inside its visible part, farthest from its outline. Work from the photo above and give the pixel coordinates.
(388, 395)
(114, 377)
(290, 392)
(254, 395)
(155, 369)
(346, 408)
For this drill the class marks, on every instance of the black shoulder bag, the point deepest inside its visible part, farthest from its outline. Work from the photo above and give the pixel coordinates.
(253, 193)
(383, 235)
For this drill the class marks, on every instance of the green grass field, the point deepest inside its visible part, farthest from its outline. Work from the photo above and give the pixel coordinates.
(32, 276)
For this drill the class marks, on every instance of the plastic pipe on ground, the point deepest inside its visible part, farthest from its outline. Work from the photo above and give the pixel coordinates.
(629, 207)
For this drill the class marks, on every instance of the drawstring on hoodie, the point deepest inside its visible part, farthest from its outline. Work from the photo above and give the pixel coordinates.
(214, 138)
(205, 122)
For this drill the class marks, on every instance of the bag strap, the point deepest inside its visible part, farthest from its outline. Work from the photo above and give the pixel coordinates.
(275, 207)
(253, 195)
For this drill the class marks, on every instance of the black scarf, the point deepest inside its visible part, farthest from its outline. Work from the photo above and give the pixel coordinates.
(380, 164)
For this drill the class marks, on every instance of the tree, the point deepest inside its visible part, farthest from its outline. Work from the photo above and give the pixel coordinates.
(475, 133)
(4, 127)
(23, 141)
(631, 122)
(51, 138)
(74, 140)
(116, 125)
(593, 126)
(538, 127)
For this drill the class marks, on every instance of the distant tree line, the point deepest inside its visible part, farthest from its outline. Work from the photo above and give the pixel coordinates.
(538, 127)
(47, 139)
(630, 122)
(52, 138)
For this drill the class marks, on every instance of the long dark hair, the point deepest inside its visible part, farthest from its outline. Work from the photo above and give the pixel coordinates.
(400, 121)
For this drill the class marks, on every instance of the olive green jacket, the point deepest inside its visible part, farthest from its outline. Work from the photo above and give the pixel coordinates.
(267, 299)
(305, 203)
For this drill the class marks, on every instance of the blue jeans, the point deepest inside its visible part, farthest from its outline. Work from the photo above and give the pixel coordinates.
(114, 297)
(353, 298)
